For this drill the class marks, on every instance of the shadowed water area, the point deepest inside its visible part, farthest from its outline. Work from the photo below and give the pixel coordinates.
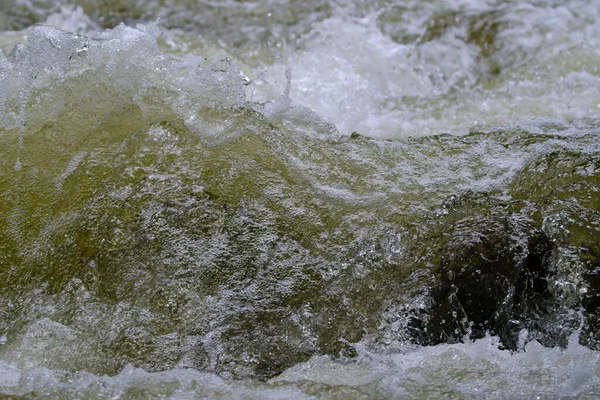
(332, 199)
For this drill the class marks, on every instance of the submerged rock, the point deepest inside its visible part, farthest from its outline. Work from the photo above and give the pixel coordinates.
(528, 263)
(493, 273)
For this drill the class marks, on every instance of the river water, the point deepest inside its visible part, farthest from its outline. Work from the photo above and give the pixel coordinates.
(320, 199)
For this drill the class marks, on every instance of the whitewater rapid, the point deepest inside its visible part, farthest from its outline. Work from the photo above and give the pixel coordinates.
(326, 199)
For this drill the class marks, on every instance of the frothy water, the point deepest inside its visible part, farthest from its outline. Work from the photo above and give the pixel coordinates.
(474, 370)
(333, 199)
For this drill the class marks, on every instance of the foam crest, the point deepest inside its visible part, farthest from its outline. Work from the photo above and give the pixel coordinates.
(118, 69)
(482, 370)
(421, 69)
(71, 18)
(474, 370)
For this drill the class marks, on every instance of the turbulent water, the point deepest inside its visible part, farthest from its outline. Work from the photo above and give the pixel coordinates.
(327, 199)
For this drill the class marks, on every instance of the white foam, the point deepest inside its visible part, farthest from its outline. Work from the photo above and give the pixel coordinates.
(351, 73)
(478, 369)
(72, 19)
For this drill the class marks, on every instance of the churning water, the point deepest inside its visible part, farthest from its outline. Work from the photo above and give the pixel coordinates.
(326, 199)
